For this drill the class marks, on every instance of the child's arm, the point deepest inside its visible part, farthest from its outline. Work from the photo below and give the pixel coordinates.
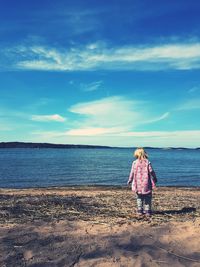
(153, 174)
(154, 177)
(131, 175)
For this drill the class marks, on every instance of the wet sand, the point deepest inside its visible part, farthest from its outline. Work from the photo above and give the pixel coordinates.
(98, 226)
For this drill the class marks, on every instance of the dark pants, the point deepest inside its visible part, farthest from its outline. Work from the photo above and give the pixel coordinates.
(144, 202)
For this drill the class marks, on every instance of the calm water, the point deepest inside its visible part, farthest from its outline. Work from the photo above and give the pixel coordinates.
(22, 168)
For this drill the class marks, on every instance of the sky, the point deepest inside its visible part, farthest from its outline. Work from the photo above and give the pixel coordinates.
(117, 73)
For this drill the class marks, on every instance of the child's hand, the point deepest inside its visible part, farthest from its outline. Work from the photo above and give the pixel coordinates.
(129, 182)
(155, 188)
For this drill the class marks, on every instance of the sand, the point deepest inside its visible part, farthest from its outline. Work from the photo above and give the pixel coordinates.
(98, 226)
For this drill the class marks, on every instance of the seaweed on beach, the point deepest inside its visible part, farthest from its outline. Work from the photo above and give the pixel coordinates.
(99, 205)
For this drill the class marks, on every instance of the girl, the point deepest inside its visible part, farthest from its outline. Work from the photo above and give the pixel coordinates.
(143, 179)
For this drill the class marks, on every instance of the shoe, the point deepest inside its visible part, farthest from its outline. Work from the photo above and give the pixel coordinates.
(140, 212)
(147, 213)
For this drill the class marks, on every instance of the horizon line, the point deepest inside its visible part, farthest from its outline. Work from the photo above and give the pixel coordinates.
(87, 145)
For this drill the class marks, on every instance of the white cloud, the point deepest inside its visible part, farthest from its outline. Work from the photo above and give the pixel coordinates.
(176, 56)
(99, 56)
(54, 117)
(109, 112)
(110, 116)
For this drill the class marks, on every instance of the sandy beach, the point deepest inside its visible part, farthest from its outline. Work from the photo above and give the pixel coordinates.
(98, 226)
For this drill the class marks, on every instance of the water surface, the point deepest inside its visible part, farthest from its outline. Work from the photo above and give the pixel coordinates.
(23, 168)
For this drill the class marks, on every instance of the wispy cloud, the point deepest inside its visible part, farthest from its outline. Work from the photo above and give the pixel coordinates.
(99, 56)
(111, 115)
(54, 117)
(90, 87)
(116, 111)
(160, 118)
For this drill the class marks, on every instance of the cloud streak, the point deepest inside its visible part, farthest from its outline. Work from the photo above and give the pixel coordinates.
(162, 117)
(92, 131)
(90, 87)
(99, 56)
(47, 118)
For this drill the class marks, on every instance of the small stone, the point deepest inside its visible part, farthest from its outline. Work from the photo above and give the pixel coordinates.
(28, 255)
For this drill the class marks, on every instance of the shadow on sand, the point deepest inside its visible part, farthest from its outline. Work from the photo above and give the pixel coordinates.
(174, 212)
(67, 250)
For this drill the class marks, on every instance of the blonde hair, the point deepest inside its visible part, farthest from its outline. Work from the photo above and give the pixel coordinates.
(140, 153)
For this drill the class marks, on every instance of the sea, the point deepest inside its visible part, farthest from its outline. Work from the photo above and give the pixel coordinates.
(49, 167)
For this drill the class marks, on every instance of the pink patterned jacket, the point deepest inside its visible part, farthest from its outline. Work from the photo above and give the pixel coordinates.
(142, 176)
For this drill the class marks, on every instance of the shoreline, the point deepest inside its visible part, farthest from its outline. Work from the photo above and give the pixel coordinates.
(95, 187)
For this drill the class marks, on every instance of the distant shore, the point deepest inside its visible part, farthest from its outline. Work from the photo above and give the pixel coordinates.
(98, 226)
(64, 146)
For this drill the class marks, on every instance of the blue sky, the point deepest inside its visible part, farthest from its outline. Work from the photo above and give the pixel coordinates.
(121, 73)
